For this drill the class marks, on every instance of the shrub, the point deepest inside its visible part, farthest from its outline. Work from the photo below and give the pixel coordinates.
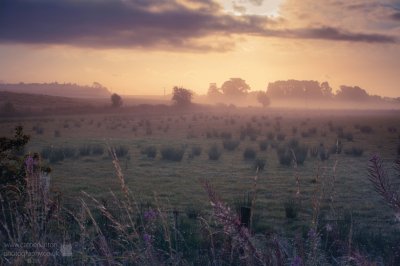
(226, 135)
(172, 154)
(196, 151)
(121, 151)
(348, 136)
(149, 151)
(69, 152)
(280, 136)
(214, 153)
(305, 134)
(271, 135)
(84, 150)
(354, 151)
(366, 129)
(291, 208)
(57, 133)
(285, 154)
(249, 154)
(263, 144)
(56, 155)
(392, 129)
(97, 149)
(259, 164)
(230, 145)
(398, 149)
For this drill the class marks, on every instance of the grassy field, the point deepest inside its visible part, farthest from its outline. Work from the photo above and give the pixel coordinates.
(176, 183)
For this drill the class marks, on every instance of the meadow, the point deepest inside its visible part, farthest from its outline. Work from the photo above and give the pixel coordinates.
(297, 162)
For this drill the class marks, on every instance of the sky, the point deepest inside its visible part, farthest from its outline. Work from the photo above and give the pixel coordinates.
(142, 47)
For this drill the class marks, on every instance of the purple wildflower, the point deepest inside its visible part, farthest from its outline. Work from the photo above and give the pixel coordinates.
(312, 233)
(147, 238)
(29, 164)
(150, 215)
(296, 261)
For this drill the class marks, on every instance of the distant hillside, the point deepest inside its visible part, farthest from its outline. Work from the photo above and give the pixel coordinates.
(57, 89)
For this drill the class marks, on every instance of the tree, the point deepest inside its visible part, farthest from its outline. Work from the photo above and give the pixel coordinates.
(213, 91)
(263, 99)
(116, 100)
(181, 96)
(235, 88)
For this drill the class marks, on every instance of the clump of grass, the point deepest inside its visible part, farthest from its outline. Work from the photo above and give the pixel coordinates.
(280, 136)
(263, 145)
(84, 150)
(149, 151)
(348, 136)
(97, 149)
(259, 164)
(271, 135)
(226, 135)
(354, 151)
(57, 133)
(366, 129)
(249, 153)
(174, 154)
(121, 151)
(230, 144)
(214, 153)
(293, 150)
(196, 151)
(292, 208)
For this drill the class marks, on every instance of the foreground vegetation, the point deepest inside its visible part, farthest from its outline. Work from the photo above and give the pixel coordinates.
(283, 190)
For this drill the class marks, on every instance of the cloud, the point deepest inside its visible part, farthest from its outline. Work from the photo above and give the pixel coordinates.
(396, 16)
(179, 24)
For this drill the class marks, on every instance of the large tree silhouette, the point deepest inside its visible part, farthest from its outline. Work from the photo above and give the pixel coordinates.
(181, 96)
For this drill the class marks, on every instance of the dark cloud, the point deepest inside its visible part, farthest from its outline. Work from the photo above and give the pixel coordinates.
(396, 16)
(143, 23)
(334, 34)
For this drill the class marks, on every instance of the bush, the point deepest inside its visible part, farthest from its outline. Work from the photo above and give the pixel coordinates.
(97, 149)
(285, 154)
(84, 150)
(280, 137)
(172, 154)
(271, 135)
(398, 149)
(263, 144)
(149, 151)
(249, 154)
(121, 151)
(69, 152)
(57, 133)
(348, 136)
(230, 145)
(366, 129)
(226, 135)
(291, 209)
(259, 164)
(56, 155)
(196, 151)
(214, 153)
(354, 151)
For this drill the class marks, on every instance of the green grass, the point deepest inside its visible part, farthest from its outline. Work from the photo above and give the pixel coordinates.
(178, 182)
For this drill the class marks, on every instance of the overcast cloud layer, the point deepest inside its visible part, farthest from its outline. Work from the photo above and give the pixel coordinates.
(190, 24)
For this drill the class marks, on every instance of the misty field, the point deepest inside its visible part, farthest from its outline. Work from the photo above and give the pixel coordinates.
(338, 147)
